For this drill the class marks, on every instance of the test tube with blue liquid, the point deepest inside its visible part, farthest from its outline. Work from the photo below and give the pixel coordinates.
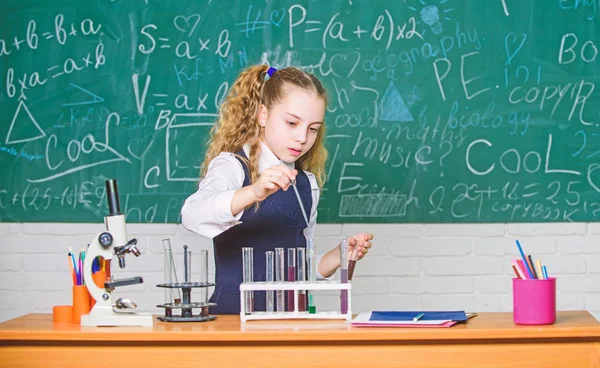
(344, 276)
(270, 278)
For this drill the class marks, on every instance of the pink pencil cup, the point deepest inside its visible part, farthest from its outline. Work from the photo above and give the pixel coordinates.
(534, 301)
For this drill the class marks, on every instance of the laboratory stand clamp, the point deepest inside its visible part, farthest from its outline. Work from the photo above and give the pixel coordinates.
(178, 295)
(106, 244)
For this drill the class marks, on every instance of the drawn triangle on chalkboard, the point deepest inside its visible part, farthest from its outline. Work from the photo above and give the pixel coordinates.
(392, 106)
(21, 134)
(95, 98)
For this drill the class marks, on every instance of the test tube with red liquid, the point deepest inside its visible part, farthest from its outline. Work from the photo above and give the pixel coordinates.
(344, 276)
(291, 277)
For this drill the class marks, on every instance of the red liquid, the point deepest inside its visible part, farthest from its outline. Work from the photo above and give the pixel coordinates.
(344, 293)
(351, 265)
(302, 302)
(291, 276)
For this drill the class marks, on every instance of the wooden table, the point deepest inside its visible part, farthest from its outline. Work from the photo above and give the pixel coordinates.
(488, 340)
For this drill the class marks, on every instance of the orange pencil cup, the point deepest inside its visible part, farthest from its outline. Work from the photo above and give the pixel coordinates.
(62, 314)
(99, 278)
(81, 302)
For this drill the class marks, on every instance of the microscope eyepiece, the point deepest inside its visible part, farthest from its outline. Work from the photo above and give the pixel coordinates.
(112, 196)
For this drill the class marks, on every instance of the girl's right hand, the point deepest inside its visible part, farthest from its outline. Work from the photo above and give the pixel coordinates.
(272, 179)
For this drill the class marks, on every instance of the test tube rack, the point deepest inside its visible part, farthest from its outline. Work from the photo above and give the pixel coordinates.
(186, 306)
(295, 314)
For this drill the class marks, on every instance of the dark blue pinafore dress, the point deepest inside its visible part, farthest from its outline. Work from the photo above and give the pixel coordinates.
(278, 223)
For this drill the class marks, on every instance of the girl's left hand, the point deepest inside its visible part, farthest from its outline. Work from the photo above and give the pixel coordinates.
(362, 241)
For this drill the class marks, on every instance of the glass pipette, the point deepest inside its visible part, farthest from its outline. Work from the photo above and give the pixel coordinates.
(310, 253)
(300, 202)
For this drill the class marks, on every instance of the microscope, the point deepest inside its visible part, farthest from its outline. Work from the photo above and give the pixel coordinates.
(109, 243)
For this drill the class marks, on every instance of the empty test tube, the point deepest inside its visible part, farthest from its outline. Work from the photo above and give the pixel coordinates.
(203, 261)
(301, 276)
(189, 266)
(168, 277)
(270, 278)
(185, 264)
(248, 276)
(312, 273)
(172, 295)
(186, 274)
(280, 298)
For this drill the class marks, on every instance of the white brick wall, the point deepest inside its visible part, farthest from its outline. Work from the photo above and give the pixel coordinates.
(414, 266)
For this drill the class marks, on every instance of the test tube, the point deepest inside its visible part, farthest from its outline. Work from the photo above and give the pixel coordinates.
(248, 276)
(168, 269)
(291, 276)
(301, 276)
(186, 278)
(173, 293)
(189, 266)
(270, 278)
(204, 279)
(312, 274)
(185, 264)
(280, 298)
(344, 276)
(352, 261)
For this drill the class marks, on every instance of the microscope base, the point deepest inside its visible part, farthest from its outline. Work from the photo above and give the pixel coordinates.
(104, 316)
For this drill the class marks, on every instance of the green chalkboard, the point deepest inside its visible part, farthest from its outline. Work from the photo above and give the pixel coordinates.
(441, 111)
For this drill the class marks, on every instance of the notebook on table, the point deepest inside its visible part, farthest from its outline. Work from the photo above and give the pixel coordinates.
(407, 319)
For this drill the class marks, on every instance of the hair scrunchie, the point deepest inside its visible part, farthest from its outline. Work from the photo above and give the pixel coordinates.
(271, 71)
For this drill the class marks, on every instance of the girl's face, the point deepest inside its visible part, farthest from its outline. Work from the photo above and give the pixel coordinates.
(291, 125)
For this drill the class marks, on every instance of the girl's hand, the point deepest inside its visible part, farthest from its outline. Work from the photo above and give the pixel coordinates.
(361, 243)
(272, 179)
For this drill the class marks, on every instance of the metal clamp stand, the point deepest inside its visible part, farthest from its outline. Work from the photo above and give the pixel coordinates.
(186, 306)
(183, 300)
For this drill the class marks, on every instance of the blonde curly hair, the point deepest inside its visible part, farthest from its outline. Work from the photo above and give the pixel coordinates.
(238, 118)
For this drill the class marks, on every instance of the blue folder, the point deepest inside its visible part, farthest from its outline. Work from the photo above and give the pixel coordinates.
(459, 316)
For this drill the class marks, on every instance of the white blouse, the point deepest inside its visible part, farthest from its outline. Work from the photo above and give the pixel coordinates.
(207, 212)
